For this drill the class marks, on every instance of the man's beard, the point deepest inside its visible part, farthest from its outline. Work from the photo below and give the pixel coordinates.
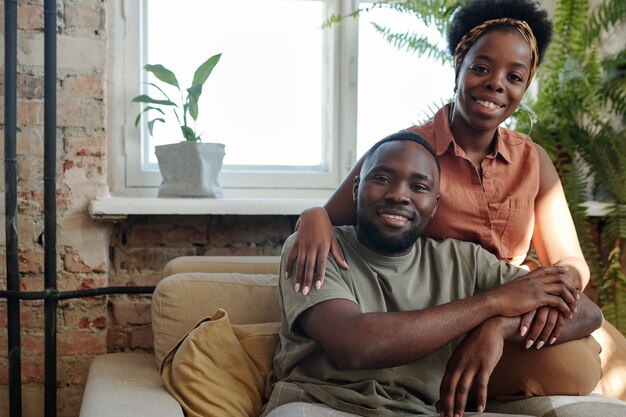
(390, 244)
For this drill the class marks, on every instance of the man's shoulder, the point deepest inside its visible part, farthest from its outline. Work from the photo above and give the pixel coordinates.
(439, 244)
(342, 233)
(448, 246)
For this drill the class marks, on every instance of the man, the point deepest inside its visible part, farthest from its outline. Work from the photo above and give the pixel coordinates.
(414, 320)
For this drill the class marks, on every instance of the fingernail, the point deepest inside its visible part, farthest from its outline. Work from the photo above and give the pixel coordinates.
(305, 290)
(552, 340)
(318, 284)
(578, 296)
(529, 343)
(524, 330)
(540, 344)
(480, 408)
(297, 287)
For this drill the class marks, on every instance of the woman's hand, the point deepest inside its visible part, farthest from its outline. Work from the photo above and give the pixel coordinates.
(542, 326)
(309, 253)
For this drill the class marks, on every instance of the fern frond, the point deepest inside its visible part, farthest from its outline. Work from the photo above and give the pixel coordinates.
(414, 43)
(605, 16)
(612, 291)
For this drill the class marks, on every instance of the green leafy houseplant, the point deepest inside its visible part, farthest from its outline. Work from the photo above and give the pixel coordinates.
(183, 108)
(189, 168)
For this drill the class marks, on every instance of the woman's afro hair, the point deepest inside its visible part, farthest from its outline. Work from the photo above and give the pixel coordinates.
(474, 12)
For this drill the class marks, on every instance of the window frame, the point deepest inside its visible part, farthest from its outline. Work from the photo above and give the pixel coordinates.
(128, 177)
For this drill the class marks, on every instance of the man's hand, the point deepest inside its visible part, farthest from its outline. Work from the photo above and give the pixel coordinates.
(470, 368)
(545, 286)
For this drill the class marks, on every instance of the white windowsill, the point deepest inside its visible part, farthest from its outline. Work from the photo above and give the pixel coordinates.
(118, 208)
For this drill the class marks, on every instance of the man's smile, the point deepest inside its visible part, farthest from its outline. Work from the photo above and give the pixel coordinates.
(395, 218)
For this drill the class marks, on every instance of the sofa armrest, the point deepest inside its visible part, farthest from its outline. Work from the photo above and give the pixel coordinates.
(127, 385)
(241, 264)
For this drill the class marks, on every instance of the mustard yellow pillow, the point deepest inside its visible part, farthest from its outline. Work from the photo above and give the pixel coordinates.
(219, 369)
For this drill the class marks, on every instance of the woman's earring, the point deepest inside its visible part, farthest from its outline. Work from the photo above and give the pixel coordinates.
(531, 116)
(452, 108)
(531, 120)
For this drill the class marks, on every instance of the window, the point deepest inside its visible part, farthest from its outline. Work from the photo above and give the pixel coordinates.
(295, 104)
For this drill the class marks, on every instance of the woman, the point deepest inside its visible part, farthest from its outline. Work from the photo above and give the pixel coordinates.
(498, 188)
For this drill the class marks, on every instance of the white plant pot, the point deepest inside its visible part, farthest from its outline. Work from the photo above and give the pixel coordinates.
(190, 169)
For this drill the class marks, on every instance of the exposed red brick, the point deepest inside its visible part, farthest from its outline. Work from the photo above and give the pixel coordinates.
(126, 313)
(30, 113)
(142, 338)
(117, 340)
(88, 113)
(33, 369)
(70, 398)
(81, 343)
(31, 262)
(86, 313)
(186, 235)
(30, 17)
(143, 266)
(29, 86)
(147, 236)
(73, 369)
(32, 343)
(30, 141)
(67, 281)
(85, 142)
(4, 370)
(73, 263)
(32, 317)
(86, 86)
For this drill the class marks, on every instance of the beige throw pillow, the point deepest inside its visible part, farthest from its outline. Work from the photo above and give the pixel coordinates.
(219, 369)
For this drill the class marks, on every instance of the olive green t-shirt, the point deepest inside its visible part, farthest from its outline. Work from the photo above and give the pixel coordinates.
(432, 273)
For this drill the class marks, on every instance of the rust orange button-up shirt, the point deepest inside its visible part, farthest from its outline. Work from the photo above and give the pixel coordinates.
(495, 211)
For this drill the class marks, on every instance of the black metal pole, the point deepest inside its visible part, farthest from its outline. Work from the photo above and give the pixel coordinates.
(10, 189)
(50, 214)
(66, 295)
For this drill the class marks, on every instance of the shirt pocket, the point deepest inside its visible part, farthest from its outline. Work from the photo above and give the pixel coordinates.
(518, 230)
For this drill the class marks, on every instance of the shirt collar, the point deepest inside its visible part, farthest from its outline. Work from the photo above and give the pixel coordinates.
(444, 139)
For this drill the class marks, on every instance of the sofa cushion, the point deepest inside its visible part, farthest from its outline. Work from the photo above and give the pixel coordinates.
(562, 406)
(219, 369)
(241, 264)
(181, 300)
(126, 384)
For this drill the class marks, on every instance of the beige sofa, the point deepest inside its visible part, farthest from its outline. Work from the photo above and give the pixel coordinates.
(130, 384)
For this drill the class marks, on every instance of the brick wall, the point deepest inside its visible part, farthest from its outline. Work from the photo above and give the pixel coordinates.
(83, 246)
(90, 254)
(142, 245)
